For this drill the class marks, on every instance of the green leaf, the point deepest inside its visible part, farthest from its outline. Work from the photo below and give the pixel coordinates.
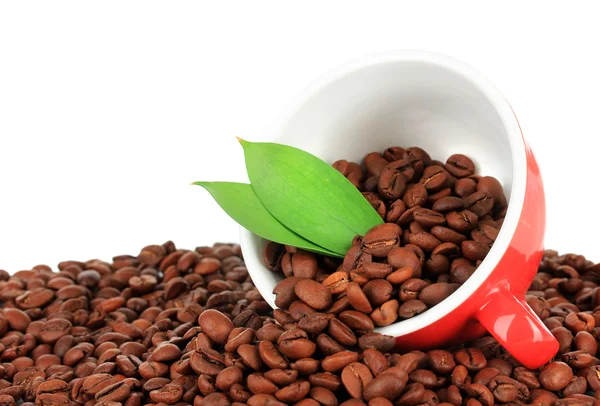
(239, 201)
(307, 195)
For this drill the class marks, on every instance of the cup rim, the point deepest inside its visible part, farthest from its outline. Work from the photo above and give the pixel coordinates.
(519, 173)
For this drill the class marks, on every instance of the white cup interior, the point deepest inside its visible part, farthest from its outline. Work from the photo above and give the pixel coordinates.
(406, 99)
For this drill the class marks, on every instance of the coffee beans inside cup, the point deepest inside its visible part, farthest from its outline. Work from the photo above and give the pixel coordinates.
(441, 219)
(188, 327)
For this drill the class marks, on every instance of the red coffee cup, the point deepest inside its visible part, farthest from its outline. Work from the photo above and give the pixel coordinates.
(446, 107)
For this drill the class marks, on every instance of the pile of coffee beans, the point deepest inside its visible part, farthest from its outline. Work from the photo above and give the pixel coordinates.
(440, 222)
(187, 327)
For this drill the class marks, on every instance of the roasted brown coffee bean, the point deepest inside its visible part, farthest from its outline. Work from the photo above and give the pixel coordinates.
(472, 358)
(357, 298)
(375, 163)
(480, 203)
(411, 308)
(116, 392)
(415, 195)
(305, 366)
(381, 239)
(355, 378)
(490, 185)
(580, 322)
(357, 321)
(388, 385)
(428, 218)
(555, 376)
(341, 333)
(441, 361)
(584, 341)
(293, 392)
(215, 325)
(286, 292)
(271, 356)
(426, 241)
(404, 257)
(391, 183)
(314, 323)
(411, 289)
(474, 251)
(295, 344)
(448, 204)
(395, 211)
(433, 294)
(339, 360)
(462, 221)
(434, 178)
(460, 166)
(386, 314)
(481, 393)
(313, 294)
(377, 341)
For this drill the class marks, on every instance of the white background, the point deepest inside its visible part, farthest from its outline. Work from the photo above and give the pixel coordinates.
(108, 110)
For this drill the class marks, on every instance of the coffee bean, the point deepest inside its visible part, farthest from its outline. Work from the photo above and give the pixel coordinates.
(434, 178)
(313, 294)
(380, 240)
(282, 377)
(474, 251)
(460, 166)
(358, 299)
(413, 154)
(378, 291)
(580, 322)
(355, 378)
(396, 209)
(472, 358)
(411, 289)
(448, 204)
(357, 321)
(441, 361)
(285, 292)
(295, 344)
(403, 257)
(411, 308)
(481, 393)
(304, 265)
(415, 195)
(424, 240)
(375, 163)
(387, 385)
(584, 341)
(338, 361)
(492, 186)
(480, 203)
(215, 325)
(433, 294)
(465, 187)
(391, 184)
(116, 392)
(386, 314)
(555, 376)
(380, 342)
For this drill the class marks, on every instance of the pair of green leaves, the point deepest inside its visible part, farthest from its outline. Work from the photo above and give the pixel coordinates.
(295, 199)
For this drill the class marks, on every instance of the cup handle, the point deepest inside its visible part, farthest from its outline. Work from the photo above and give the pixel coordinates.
(517, 328)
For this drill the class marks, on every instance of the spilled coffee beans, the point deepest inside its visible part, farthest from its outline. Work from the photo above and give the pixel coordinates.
(187, 327)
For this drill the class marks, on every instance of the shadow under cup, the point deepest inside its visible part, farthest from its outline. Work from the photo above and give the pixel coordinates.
(412, 99)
